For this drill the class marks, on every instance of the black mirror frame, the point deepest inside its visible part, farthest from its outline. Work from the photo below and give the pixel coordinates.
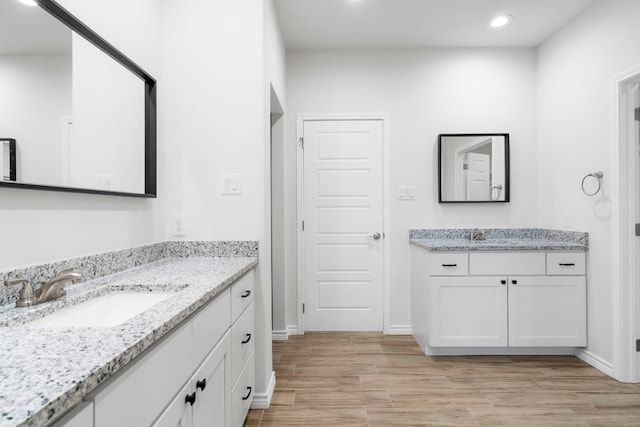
(150, 143)
(506, 168)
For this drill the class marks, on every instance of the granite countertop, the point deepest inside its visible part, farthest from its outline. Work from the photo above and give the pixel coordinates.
(46, 371)
(522, 239)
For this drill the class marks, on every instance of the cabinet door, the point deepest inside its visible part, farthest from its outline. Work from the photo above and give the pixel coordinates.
(468, 312)
(547, 311)
(178, 413)
(212, 384)
(80, 416)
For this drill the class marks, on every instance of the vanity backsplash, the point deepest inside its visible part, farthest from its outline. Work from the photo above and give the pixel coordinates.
(106, 263)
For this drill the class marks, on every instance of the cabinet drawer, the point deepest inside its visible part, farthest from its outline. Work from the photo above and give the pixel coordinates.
(243, 338)
(242, 292)
(242, 394)
(143, 390)
(507, 263)
(209, 325)
(566, 263)
(449, 264)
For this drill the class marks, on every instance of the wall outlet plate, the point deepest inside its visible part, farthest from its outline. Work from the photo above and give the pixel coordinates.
(231, 183)
(177, 225)
(406, 192)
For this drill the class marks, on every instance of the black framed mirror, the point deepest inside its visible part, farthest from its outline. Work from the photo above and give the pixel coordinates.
(473, 168)
(82, 115)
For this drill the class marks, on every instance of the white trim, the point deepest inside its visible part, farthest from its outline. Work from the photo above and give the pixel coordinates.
(263, 400)
(386, 191)
(595, 361)
(624, 275)
(493, 351)
(398, 330)
(284, 335)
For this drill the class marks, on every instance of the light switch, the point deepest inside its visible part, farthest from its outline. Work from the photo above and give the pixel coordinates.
(231, 183)
(406, 192)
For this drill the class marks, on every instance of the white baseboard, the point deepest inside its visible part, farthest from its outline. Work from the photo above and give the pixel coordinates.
(495, 351)
(595, 361)
(263, 400)
(398, 330)
(284, 335)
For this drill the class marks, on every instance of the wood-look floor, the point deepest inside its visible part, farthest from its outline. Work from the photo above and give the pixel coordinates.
(363, 379)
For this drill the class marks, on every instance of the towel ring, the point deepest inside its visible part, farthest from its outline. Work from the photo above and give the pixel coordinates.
(598, 176)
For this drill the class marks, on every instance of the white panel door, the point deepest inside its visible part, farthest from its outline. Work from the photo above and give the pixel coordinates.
(343, 215)
(478, 182)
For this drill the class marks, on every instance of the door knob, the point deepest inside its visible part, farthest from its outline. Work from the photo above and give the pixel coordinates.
(374, 236)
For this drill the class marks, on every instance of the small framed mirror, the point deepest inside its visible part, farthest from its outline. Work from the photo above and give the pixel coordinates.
(473, 168)
(8, 159)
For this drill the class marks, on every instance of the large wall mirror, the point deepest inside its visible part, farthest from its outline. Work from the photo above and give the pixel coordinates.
(80, 115)
(473, 168)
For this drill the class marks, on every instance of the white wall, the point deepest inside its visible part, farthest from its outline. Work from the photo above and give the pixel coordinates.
(426, 92)
(216, 121)
(576, 72)
(39, 226)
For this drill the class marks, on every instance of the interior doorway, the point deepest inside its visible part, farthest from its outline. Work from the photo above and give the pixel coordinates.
(343, 215)
(626, 299)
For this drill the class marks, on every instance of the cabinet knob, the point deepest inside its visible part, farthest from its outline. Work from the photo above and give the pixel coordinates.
(190, 398)
(504, 282)
(245, 294)
(248, 394)
(515, 282)
(247, 340)
(201, 384)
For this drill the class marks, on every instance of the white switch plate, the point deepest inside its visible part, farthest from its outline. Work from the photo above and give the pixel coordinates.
(177, 225)
(406, 192)
(231, 183)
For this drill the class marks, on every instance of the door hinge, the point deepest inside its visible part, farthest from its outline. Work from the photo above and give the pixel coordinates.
(302, 225)
(302, 308)
(638, 230)
(637, 114)
(638, 346)
(301, 142)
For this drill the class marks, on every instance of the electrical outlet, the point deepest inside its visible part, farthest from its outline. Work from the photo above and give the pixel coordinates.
(177, 225)
(566, 219)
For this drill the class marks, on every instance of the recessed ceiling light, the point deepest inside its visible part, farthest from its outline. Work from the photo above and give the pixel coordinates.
(28, 2)
(501, 21)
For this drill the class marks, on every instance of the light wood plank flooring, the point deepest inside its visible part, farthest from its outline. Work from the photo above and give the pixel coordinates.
(364, 379)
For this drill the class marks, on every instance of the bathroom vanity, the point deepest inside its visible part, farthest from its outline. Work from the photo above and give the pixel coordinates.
(519, 291)
(187, 360)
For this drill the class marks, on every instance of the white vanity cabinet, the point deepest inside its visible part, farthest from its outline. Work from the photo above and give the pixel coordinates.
(187, 379)
(498, 299)
(80, 416)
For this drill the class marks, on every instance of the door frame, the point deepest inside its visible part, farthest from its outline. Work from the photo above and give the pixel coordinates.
(625, 296)
(386, 267)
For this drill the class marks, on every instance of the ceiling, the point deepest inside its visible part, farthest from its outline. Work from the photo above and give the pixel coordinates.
(325, 24)
(27, 29)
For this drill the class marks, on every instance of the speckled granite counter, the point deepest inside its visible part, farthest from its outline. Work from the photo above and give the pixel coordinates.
(46, 371)
(499, 239)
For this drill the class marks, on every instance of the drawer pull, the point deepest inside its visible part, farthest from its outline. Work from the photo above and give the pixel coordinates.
(190, 398)
(201, 384)
(449, 265)
(245, 294)
(247, 340)
(248, 394)
(503, 282)
(515, 282)
(567, 264)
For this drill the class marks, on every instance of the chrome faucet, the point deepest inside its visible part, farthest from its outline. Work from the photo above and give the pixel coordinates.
(48, 291)
(477, 234)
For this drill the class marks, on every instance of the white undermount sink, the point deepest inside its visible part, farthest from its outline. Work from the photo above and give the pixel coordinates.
(102, 311)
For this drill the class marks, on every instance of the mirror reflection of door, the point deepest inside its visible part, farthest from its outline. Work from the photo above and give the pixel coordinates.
(478, 184)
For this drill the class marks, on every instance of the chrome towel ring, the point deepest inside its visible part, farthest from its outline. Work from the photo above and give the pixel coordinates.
(598, 177)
